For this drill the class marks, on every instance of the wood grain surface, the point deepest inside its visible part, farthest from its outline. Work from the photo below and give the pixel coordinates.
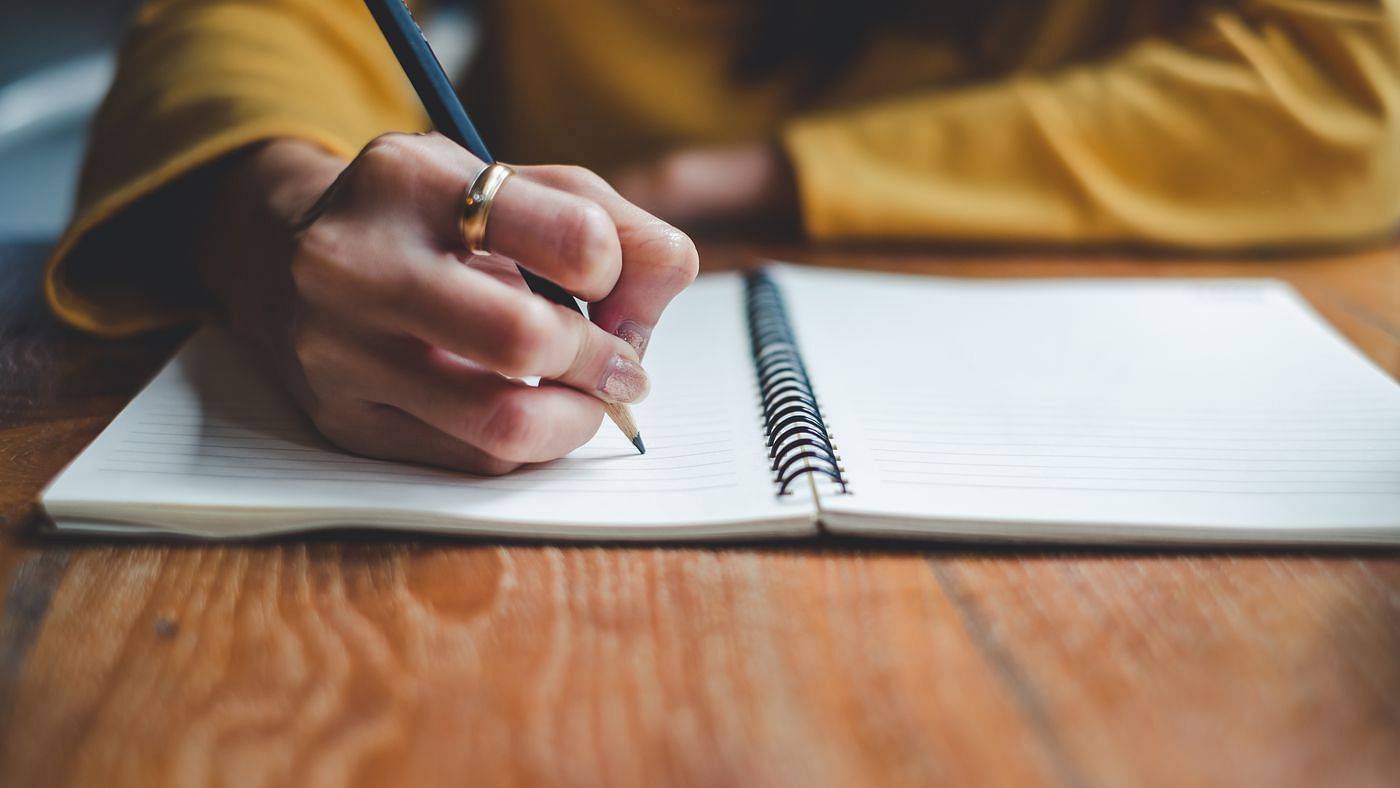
(390, 660)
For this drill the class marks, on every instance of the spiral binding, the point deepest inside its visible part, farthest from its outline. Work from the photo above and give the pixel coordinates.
(798, 441)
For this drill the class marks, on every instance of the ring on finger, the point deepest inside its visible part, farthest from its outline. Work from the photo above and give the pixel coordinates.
(476, 206)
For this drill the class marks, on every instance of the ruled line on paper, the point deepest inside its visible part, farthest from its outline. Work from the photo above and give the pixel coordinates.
(958, 402)
(275, 444)
(480, 483)
(1149, 463)
(577, 458)
(939, 417)
(1101, 429)
(929, 391)
(376, 475)
(695, 455)
(600, 471)
(1293, 489)
(915, 410)
(208, 426)
(1166, 454)
(1186, 450)
(242, 432)
(1218, 477)
(274, 467)
(1390, 450)
(1200, 461)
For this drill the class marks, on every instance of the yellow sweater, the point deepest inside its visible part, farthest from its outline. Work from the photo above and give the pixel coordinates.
(1264, 122)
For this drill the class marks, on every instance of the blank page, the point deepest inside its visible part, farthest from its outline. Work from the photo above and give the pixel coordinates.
(213, 448)
(1086, 409)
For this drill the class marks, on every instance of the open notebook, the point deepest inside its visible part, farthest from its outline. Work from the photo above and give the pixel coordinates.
(1081, 410)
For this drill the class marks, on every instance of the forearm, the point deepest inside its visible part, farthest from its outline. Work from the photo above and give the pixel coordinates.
(255, 211)
(1275, 123)
(198, 83)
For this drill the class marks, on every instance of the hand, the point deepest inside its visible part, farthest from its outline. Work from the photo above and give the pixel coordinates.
(747, 185)
(401, 345)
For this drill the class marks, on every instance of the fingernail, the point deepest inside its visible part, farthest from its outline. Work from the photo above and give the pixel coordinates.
(635, 335)
(623, 381)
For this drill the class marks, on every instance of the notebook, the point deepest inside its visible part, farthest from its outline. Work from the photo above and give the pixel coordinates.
(789, 401)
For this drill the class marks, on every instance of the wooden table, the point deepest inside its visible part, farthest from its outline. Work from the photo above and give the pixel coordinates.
(387, 660)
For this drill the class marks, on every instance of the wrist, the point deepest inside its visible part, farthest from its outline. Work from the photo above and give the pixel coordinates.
(256, 209)
(281, 179)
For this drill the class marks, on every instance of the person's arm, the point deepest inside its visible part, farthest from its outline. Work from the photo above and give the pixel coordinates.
(196, 82)
(241, 160)
(1268, 122)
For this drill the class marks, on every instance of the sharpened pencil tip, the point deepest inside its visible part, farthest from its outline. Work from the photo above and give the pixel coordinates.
(641, 447)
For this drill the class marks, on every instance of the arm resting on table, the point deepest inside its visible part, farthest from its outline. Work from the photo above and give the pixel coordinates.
(1266, 123)
(198, 81)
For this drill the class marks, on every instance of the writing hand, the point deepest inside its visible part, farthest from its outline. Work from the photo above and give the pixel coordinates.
(398, 343)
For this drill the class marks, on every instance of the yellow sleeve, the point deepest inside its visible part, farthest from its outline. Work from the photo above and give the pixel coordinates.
(1267, 123)
(198, 79)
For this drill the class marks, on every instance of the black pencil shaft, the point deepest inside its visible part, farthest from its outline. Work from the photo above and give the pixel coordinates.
(435, 90)
(426, 74)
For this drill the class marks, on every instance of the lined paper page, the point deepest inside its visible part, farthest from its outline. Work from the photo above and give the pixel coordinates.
(212, 447)
(1184, 409)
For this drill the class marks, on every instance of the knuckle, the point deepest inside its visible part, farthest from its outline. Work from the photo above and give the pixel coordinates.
(525, 336)
(315, 252)
(390, 148)
(390, 164)
(510, 428)
(587, 237)
(590, 343)
(587, 178)
(394, 289)
(322, 369)
(307, 345)
(329, 272)
(572, 177)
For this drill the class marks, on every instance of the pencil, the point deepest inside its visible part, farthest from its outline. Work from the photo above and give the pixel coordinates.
(450, 117)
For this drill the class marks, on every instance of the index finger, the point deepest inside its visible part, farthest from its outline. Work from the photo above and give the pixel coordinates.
(658, 261)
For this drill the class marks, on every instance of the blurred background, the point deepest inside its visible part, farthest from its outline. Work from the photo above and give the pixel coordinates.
(56, 61)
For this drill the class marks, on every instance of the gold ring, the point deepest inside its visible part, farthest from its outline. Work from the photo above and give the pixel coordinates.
(476, 206)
